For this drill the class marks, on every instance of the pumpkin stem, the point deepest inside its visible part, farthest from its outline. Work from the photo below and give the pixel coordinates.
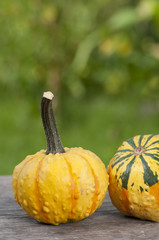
(54, 144)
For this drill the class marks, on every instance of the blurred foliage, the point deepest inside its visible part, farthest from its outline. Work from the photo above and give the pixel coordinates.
(101, 60)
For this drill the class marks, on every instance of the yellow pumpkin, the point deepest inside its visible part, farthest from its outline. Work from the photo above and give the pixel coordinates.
(59, 185)
(134, 177)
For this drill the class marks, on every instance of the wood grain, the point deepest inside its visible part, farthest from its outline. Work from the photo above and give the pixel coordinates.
(106, 223)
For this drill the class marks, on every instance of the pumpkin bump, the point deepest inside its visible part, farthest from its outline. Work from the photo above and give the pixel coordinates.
(59, 185)
(134, 177)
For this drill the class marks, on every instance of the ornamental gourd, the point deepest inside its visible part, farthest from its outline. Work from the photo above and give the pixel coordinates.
(59, 185)
(134, 177)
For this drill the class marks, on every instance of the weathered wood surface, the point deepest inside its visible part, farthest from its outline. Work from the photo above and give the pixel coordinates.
(105, 223)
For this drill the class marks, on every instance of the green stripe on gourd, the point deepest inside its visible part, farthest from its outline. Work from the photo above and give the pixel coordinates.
(149, 178)
(126, 174)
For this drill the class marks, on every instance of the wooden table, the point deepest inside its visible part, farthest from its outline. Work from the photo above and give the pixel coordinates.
(106, 223)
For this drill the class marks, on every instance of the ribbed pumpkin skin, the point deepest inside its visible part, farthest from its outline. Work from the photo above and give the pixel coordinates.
(134, 177)
(62, 187)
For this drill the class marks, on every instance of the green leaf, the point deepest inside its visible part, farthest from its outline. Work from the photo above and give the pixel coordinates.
(124, 18)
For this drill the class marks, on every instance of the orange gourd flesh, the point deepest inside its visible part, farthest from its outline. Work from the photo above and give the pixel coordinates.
(59, 185)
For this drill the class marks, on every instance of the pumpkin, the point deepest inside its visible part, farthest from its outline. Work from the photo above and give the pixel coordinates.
(134, 177)
(59, 185)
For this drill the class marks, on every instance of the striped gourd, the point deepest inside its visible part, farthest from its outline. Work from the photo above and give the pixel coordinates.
(134, 177)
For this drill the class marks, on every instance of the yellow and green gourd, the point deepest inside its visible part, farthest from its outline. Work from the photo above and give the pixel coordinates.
(134, 177)
(59, 185)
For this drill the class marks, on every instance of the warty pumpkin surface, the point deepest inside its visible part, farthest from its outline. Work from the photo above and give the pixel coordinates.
(59, 185)
(134, 177)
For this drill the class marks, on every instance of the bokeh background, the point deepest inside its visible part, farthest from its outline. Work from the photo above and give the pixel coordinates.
(101, 60)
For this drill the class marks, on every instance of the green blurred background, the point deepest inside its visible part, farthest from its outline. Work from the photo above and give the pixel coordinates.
(101, 60)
